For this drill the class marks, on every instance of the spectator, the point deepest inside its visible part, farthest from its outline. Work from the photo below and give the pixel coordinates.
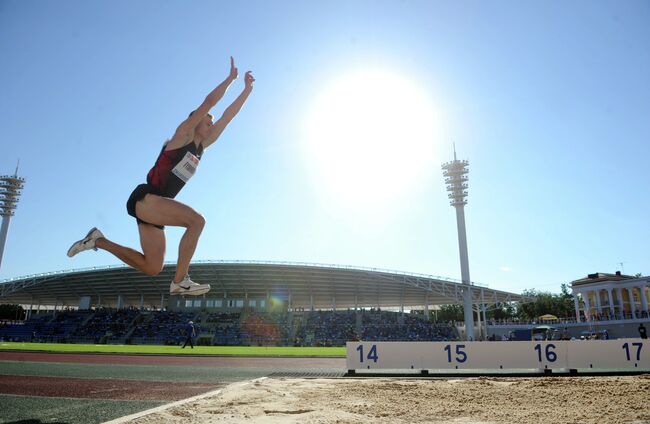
(565, 334)
(642, 331)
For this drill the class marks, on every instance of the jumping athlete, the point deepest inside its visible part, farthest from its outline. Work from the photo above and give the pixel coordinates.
(153, 205)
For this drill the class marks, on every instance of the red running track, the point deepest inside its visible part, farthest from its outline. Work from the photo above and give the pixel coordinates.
(101, 388)
(222, 361)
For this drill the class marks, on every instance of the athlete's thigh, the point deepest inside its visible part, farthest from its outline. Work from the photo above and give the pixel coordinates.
(152, 240)
(165, 211)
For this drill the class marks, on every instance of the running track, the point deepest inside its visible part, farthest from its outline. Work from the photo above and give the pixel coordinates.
(46, 387)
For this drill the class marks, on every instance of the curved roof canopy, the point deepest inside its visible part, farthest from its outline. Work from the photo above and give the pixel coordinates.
(300, 285)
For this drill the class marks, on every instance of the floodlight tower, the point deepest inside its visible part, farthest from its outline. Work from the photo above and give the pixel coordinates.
(10, 186)
(455, 173)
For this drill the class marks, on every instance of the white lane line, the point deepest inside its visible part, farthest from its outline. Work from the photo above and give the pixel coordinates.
(140, 414)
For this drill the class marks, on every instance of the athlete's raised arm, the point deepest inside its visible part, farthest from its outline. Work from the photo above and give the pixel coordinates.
(185, 131)
(217, 128)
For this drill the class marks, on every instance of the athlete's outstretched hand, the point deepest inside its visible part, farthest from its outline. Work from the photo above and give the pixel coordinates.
(249, 80)
(233, 70)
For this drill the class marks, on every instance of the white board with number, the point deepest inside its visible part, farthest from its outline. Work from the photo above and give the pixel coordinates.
(596, 354)
(608, 354)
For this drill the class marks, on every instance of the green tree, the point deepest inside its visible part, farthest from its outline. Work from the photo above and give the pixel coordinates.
(566, 304)
(449, 313)
(561, 305)
(507, 310)
(12, 312)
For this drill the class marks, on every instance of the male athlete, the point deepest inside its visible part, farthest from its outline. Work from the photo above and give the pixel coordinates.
(153, 205)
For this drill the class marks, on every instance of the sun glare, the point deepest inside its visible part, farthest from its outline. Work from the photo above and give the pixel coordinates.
(370, 135)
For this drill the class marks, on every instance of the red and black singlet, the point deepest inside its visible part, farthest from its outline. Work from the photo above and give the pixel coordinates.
(174, 168)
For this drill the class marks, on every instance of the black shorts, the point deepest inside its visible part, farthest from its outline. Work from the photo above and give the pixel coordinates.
(137, 195)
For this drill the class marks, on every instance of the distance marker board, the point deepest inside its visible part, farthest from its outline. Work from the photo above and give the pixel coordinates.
(628, 354)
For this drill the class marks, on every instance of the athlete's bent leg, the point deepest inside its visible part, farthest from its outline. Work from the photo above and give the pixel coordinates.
(164, 211)
(151, 260)
(187, 246)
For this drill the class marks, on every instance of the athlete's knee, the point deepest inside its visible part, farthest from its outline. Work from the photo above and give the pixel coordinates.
(197, 221)
(152, 269)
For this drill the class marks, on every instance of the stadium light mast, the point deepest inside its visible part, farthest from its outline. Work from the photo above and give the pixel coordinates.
(10, 186)
(455, 173)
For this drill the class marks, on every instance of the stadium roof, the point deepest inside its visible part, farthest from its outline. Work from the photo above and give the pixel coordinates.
(299, 284)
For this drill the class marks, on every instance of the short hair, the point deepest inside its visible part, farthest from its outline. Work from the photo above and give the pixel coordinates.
(192, 113)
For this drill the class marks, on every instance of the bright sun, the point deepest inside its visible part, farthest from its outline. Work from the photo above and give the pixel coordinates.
(370, 135)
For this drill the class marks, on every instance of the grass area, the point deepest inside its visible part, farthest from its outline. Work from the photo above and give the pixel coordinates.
(176, 350)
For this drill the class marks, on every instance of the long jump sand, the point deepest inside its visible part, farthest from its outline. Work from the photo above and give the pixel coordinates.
(621, 399)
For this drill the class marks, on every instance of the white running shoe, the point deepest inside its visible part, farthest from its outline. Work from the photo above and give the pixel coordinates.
(85, 243)
(188, 287)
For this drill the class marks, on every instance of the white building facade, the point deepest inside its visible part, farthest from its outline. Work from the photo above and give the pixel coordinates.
(611, 297)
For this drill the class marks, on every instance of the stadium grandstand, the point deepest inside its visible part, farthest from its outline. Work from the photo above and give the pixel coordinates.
(251, 303)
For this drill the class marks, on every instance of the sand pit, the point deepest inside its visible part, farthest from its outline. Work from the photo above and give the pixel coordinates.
(624, 399)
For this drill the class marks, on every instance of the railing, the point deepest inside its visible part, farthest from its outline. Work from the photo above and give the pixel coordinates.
(599, 318)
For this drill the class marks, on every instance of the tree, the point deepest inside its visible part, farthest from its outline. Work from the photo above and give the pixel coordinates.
(450, 313)
(500, 311)
(12, 312)
(560, 305)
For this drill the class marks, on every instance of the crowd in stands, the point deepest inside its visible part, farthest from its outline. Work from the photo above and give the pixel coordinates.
(24, 332)
(330, 328)
(60, 327)
(315, 328)
(327, 328)
(224, 327)
(418, 329)
(105, 325)
(161, 327)
(270, 329)
(378, 326)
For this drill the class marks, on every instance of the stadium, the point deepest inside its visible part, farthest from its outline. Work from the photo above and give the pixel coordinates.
(278, 294)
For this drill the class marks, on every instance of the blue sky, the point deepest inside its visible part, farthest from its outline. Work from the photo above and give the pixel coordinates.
(549, 101)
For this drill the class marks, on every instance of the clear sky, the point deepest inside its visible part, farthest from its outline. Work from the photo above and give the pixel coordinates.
(336, 156)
